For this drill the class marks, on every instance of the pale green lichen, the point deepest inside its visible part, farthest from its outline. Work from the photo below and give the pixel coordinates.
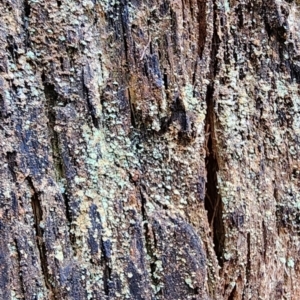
(290, 262)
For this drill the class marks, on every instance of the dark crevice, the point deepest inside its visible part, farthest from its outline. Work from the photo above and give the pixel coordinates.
(20, 268)
(194, 76)
(26, 16)
(90, 105)
(191, 9)
(12, 47)
(68, 212)
(213, 201)
(202, 26)
(233, 294)
(174, 30)
(125, 29)
(165, 80)
(240, 16)
(179, 112)
(265, 238)
(215, 45)
(132, 111)
(106, 269)
(72, 236)
(248, 266)
(38, 216)
(125, 37)
(12, 164)
(196, 291)
(61, 60)
(52, 99)
(150, 47)
(149, 245)
(27, 9)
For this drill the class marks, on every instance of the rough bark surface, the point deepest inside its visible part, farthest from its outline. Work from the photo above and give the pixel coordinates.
(149, 149)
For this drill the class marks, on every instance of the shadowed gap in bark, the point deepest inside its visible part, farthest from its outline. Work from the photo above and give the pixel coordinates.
(213, 201)
(38, 216)
(202, 26)
(3, 112)
(20, 269)
(26, 16)
(11, 162)
(248, 266)
(233, 294)
(90, 106)
(51, 101)
(132, 111)
(106, 268)
(52, 98)
(149, 245)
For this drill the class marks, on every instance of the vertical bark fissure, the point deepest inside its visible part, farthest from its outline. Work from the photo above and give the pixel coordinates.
(3, 112)
(248, 266)
(265, 239)
(90, 106)
(68, 215)
(213, 201)
(124, 25)
(107, 270)
(148, 242)
(202, 26)
(26, 16)
(38, 216)
(52, 98)
(132, 112)
(20, 268)
(125, 35)
(51, 101)
(194, 77)
(232, 295)
(11, 163)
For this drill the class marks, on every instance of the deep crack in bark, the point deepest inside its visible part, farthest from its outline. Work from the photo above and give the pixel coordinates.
(51, 101)
(90, 105)
(107, 270)
(20, 268)
(38, 216)
(213, 201)
(26, 16)
(149, 246)
(202, 26)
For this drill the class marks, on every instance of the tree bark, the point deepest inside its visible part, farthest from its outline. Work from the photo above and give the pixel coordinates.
(149, 149)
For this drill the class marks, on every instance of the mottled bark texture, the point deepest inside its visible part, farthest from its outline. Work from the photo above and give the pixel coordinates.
(149, 149)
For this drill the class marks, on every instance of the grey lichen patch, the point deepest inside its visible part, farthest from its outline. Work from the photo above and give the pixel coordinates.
(112, 110)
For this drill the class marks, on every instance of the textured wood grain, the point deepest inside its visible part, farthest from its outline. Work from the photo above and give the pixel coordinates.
(149, 149)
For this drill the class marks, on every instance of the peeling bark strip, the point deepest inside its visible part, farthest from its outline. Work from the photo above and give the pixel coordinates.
(153, 146)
